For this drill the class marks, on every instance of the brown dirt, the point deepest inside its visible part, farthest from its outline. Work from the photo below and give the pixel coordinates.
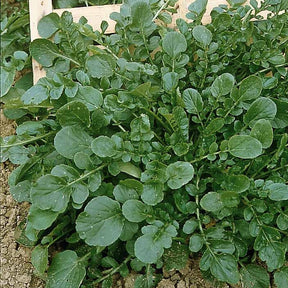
(16, 269)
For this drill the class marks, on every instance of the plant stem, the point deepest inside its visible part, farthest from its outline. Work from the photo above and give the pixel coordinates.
(31, 140)
(159, 11)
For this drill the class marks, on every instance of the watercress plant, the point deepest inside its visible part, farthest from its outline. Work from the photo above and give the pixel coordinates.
(163, 143)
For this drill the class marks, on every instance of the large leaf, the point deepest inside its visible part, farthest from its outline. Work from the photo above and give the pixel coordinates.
(136, 211)
(73, 113)
(250, 88)
(7, 78)
(262, 108)
(254, 276)
(44, 52)
(179, 174)
(174, 43)
(70, 140)
(244, 146)
(281, 278)
(262, 131)
(67, 270)
(236, 183)
(35, 95)
(197, 8)
(101, 223)
(39, 259)
(277, 191)
(100, 66)
(222, 85)
(51, 192)
(193, 101)
(89, 96)
(48, 25)
(224, 268)
(149, 248)
(104, 146)
(202, 35)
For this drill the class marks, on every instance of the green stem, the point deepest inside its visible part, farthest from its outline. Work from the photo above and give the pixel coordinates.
(31, 140)
(113, 271)
(159, 11)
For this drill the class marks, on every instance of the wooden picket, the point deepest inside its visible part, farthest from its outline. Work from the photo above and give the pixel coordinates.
(95, 15)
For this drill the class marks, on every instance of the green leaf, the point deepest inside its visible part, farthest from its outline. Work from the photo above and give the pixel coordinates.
(277, 191)
(48, 25)
(244, 146)
(196, 9)
(101, 223)
(103, 146)
(21, 191)
(176, 257)
(67, 270)
(80, 193)
(174, 43)
(214, 126)
(230, 199)
(51, 193)
(222, 85)
(196, 243)
(150, 247)
(35, 95)
(39, 259)
(211, 202)
(274, 255)
(141, 15)
(73, 113)
(236, 183)
(281, 119)
(193, 101)
(7, 78)
(282, 221)
(89, 96)
(44, 52)
(202, 35)
(70, 140)
(135, 210)
(250, 88)
(281, 278)
(127, 190)
(262, 108)
(262, 131)
(100, 66)
(254, 276)
(170, 81)
(140, 129)
(41, 219)
(190, 226)
(152, 192)
(179, 174)
(225, 268)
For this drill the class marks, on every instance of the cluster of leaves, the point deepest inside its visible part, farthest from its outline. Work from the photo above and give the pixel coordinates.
(76, 3)
(14, 44)
(163, 143)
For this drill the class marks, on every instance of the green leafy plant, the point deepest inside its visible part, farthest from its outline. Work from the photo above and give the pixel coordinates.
(163, 144)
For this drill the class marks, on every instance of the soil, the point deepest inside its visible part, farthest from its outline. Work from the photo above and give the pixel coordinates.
(16, 268)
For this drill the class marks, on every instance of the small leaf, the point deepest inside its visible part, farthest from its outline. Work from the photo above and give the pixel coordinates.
(101, 223)
(66, 271)
(236, 183)
(277, 191)
(214, 126)
(193, 101)
(262, 131)
(196, 243)
(7, 78)
(190, 226)
(103, 146)
(73, 113)
(179, 174)
(262, 108)
(202, 35)
(174, 43)
(244, 146)
(254, 276)
(39, 259)
(135, 211)
(250, 88)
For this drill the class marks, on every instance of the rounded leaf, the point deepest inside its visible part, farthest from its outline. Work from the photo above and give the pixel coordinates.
(262, 131)
(101, 223)
(174, 43)
(196, 243)
(135, 211)
(103, 146)
(211, 202)
(244, 146)
(202, 35)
